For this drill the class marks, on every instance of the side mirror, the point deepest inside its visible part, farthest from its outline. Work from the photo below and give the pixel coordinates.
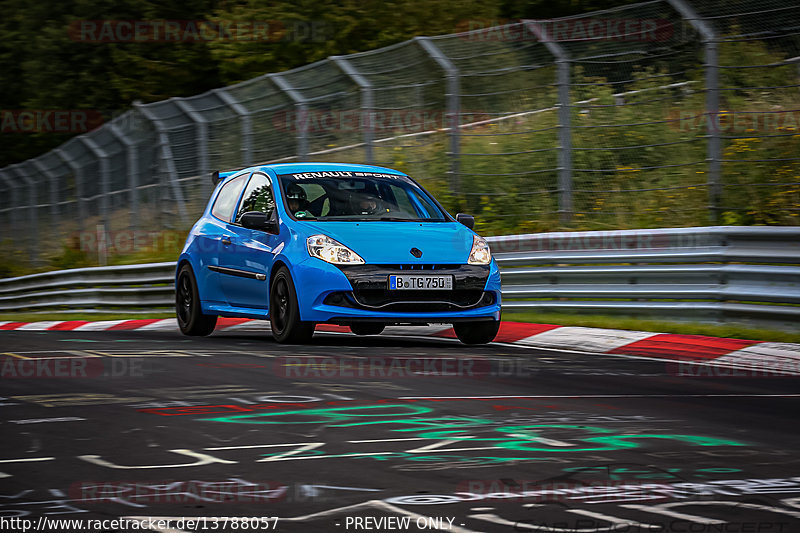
(467, 220)
(259, 221)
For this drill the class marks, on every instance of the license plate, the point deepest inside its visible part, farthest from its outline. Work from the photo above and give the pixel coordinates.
(418, 283)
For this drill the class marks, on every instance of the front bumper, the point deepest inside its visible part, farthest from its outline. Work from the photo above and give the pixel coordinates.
(352, 293)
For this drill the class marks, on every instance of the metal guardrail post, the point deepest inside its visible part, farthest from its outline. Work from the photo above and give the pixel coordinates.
(796, 61)
(53, 180)
(13, 219)
(247, 124)
(201, 135)
(302, 107)
(709, 39)
(132, 166)
(32, 231)
(8, 193)
(565, 207)
(105, 179)
(453, 106)
(169, 161)
(77, 171)
(367, 103)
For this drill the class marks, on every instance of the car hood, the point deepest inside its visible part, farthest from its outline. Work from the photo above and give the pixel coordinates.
(391, 242)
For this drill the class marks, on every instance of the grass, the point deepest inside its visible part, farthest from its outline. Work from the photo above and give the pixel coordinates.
(733, 331)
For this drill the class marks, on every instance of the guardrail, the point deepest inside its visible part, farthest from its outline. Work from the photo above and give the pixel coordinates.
(711, 273)
(132, 288)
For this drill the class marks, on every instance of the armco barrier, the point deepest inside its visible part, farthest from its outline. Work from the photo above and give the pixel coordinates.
(141, 288)
(709, 273)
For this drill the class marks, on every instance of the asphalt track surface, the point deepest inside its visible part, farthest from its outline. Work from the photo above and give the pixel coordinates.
(388, 433)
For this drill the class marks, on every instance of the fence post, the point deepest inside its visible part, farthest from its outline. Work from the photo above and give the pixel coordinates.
(565, 203)
(56, 224)
(105, 179)
(796, 61)
(367, 104)
(453, 106)
(166, 155)
(201, 132)
(247, 124)
(31, 232)
(302, 107)
(132, 165)
(77, 171)
(10, 228)
(7, 229)
(13, 219)
(714, 158)
(53, 180)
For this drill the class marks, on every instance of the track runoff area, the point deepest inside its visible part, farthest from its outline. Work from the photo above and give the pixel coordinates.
(131, 426)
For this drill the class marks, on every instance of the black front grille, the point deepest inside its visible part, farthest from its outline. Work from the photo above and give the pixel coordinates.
(382, 297)
(411, 301)
(416, 267)
(371, 288)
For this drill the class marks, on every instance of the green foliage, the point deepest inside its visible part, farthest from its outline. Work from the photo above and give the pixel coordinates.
(12, 260)
(71, 257)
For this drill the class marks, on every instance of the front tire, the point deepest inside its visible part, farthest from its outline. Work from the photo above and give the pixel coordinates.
(190, 315)
(367, 328)
(476, 332)
(284, 312)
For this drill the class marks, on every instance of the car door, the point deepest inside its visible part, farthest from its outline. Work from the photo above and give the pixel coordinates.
(210, 237)
(246, 261)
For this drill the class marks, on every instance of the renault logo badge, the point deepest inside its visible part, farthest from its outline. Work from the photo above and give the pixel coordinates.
(416, 252)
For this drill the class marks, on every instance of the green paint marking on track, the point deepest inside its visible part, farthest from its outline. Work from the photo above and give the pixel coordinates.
(524, 438)
(327, 415)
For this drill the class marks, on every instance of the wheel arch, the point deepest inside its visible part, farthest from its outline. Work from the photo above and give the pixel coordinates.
(276, 265)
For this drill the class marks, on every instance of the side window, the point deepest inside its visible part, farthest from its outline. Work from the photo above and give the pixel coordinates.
(257, 197)
(403, 202)
(226, 200)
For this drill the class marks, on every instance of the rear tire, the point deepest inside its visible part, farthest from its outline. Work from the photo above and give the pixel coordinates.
(367, 328)
(284, 312)
(190, 315)
(476, 332)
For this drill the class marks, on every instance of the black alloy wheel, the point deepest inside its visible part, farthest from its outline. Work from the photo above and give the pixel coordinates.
(188, 311)
(284, 312)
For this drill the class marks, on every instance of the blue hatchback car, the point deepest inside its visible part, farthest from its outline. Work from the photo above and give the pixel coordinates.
(356, 245)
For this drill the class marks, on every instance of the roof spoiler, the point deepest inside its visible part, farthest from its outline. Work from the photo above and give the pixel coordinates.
(218, 176)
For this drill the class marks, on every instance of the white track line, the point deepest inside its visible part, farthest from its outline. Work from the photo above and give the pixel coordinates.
(578, 396)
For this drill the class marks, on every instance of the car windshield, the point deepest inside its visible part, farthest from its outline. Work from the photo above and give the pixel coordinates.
(357, 195)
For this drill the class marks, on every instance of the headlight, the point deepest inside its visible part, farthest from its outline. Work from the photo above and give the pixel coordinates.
(480, 253)
(332, 251)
